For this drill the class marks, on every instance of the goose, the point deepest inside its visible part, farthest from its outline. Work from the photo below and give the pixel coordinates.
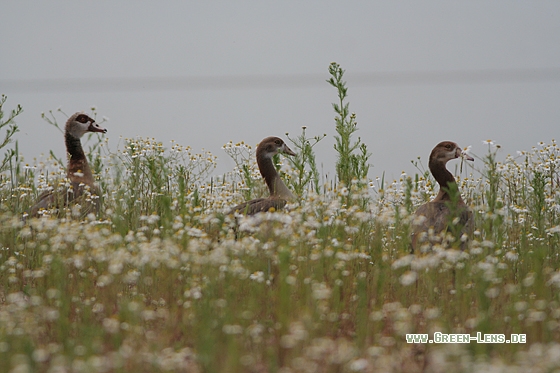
(79, 173)
(445, 208)
(279, 192)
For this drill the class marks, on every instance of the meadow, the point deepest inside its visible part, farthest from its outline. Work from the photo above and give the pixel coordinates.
(163, 280)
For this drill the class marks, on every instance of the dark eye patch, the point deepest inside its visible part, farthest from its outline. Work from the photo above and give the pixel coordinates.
(82, 118)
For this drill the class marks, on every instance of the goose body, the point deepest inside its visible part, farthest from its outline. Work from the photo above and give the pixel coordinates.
(79, 173)
(447, 211)
(279, 192)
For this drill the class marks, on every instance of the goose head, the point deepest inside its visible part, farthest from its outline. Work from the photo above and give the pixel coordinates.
(80, 123)
(446, 151)
(271, 146)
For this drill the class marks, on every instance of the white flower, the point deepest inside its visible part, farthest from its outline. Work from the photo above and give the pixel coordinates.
(408, 278)
(321, 291)
(257, 276)
(359, 365)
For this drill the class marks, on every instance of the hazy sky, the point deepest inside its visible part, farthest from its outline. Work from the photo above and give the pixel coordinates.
(203, 73)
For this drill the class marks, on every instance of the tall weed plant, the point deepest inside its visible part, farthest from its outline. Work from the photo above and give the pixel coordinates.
(353, 156)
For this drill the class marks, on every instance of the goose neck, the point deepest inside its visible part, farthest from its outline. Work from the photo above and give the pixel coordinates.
(444, 178)
(77, 161)
(268, 171)
(274, 182)
(74, 147)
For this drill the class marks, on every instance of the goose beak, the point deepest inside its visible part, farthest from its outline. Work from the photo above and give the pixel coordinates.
(287, 150)
(466, 156)
(94, 127)
(459, 153)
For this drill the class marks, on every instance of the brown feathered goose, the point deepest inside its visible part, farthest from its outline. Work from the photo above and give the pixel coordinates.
(279, 192)
(79, 173)
(445, 209)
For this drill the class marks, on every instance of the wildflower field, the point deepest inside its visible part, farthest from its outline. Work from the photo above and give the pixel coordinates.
(162, 279)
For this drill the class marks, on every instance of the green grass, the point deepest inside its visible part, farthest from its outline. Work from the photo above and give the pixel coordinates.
(160, 282)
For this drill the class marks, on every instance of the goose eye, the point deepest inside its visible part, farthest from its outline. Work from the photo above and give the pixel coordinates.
(82, 119)
(278, 142)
